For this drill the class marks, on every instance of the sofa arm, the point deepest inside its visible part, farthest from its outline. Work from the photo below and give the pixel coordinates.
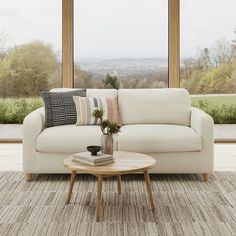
(203, 124)
(33, 125)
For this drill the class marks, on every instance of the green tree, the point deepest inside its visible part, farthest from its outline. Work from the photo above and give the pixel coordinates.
(111, 82)
(4, 81)
(28, 68)
(213, 71)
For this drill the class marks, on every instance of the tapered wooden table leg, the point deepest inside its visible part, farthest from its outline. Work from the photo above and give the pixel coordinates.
(205, 177)
(29, 177)
(119, 183)
(99, 196)
(72, 181)
(149, 188)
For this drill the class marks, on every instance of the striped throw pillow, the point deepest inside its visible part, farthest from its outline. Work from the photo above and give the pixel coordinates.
(86, 105)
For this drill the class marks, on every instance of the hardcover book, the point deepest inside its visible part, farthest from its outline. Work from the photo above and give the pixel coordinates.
(86, 156)
(93, 163)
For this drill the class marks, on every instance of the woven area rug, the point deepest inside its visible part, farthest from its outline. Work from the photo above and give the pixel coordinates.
(185, 205)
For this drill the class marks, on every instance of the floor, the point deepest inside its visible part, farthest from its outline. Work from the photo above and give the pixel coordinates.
(184, 206)
(11, 157)
(13, 132)
(225, 133)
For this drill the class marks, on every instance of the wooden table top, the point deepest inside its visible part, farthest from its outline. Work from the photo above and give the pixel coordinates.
(125, 163)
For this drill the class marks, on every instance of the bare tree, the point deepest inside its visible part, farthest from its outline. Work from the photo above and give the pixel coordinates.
(3, 40)
(205, 59)
(222, 52)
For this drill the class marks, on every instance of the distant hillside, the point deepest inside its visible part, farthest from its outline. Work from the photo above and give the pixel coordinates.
(124, 68)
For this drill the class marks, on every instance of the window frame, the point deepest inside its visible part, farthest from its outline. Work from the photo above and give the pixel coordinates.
(173, 43)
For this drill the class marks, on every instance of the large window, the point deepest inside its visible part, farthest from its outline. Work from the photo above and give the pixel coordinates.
(30, 54)
(30, 46)
(208, 56)
(121, 44)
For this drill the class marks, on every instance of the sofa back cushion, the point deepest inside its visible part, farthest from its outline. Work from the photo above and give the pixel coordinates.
(154, 106)
(108, 93)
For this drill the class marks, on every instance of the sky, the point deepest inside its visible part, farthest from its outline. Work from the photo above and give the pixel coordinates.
(119, 28)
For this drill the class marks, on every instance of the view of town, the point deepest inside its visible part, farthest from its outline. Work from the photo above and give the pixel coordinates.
(129, 72)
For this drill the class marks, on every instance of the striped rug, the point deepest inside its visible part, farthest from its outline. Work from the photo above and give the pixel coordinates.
(185, 205)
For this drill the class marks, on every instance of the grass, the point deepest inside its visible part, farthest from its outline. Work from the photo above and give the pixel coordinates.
(13, 111)
(227, 100)
(221, 108)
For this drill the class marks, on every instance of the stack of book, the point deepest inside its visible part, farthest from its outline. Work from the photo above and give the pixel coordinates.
(87, 158)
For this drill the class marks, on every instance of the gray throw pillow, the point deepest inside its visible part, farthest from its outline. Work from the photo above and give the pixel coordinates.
(60, 107)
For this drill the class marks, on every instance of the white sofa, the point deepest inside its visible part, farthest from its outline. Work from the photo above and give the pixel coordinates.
(159, 122)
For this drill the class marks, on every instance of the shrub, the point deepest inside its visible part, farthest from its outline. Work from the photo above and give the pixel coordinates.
(221, 113)
(13, 111)
(3, 112)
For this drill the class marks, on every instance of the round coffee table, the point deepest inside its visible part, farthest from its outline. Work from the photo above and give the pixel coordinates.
(125, 163)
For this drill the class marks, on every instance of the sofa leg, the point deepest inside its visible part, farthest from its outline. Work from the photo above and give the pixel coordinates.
(205, 177)
(29, 176)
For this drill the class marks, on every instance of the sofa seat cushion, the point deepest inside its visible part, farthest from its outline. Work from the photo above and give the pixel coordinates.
(158, 138)
(68, 138)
